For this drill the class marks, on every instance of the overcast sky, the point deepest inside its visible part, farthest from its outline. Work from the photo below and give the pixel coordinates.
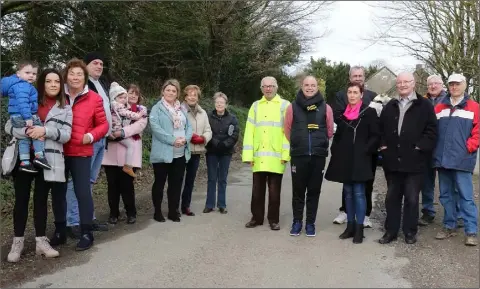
(349, 22)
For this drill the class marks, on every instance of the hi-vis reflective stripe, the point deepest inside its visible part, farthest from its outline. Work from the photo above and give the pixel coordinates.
(267, 154)
(286, 146)
(250, 120)
(282, 113)
(269, 123)
(247, 147)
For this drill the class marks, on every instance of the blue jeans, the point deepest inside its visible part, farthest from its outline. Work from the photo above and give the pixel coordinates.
(428, 192)
(457, 185)
(217, 168)
(355, 201)
(190, 175)
(25, 144)
(73, 216)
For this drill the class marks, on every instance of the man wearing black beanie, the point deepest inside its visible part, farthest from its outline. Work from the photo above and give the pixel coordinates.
(94, 62)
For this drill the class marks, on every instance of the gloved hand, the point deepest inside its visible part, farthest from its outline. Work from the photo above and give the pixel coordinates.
(196, 139)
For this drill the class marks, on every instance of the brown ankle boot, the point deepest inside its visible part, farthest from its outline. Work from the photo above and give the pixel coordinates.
(129, 170)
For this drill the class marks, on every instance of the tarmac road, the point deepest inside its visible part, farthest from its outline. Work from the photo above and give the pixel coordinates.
(214, 250)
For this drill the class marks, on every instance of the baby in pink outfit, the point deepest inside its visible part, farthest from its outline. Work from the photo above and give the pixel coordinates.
(122, 116)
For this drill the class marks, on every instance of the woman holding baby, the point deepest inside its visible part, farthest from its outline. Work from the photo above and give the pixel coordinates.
(56, 117)
(119, 163)
(171, 135)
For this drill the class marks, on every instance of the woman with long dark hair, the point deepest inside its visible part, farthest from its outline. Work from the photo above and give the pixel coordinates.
(56, 117)
(355, 140)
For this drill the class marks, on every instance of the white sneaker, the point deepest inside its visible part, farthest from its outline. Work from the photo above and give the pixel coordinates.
(43, 248)
(367, 223)
(16, 251)
(341, 218)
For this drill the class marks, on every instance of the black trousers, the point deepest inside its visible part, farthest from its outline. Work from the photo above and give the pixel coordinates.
(257, 205)
(79, 168)
(307, 176)
(174, 172)
(22, 183)
(406, 187)
(368, 189)
(120, 184)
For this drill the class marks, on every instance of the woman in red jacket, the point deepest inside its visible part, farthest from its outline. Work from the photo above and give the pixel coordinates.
(88, 126)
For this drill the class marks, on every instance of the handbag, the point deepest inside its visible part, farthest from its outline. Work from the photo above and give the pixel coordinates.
(9, 158)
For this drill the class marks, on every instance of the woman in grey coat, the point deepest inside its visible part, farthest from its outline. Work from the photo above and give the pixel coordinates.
(57, 119)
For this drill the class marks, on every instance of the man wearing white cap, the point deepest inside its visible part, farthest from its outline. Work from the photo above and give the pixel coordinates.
(455, 158)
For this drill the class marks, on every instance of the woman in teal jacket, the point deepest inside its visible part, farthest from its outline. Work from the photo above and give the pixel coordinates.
(171, 135)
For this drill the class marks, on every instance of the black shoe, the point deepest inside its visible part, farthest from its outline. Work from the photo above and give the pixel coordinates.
(27, 167)
(207, 210)
(223, 211)
(131, 220)
(186, 211)
(42, 163)
(274, 226)
(252, 224)
(349, 231)
(60, 235)
(74, 232)
(358, 236)
(425, 220)
(97, 226)
(58, 239)
(410, 239)
(387, 238)
(113, 220)
(85, 242)
(159, 217)
(174, 218)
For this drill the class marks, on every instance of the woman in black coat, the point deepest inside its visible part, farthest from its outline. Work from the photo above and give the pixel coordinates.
(355, 140)
(220, 148)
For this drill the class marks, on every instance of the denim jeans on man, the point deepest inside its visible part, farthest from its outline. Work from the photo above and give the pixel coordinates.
(355, 202)
(73, 216)
(453, 182)
(428, 193)
(217, 168)
(24, 144)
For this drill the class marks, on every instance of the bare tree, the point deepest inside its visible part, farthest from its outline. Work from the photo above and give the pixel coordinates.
(444, 35)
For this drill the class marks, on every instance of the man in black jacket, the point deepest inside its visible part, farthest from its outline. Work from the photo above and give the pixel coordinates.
(356, 75)
(308, 126)
(408, 128)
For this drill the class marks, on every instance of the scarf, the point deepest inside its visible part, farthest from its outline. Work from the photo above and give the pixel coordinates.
(134, 108)
(352, 113)
(175, 112)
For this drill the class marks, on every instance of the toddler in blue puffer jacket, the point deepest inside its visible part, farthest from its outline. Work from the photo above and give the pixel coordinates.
(22, 108)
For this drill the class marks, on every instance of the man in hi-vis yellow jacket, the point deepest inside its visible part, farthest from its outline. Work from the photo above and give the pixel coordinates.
(267, 149)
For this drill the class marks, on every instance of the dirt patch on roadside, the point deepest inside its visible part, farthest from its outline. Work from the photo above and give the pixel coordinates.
(433, 263)
(32, 266)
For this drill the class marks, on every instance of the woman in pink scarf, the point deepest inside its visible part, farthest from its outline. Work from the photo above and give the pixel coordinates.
(355, 140)
(171, 135)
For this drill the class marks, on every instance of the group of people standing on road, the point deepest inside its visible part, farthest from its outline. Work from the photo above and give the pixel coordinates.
(74, 122)
(414, 136)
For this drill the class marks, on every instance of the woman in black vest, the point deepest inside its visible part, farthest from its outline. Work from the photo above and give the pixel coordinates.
(355, 140)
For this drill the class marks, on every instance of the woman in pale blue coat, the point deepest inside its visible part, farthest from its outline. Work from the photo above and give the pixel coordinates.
(171, 134)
